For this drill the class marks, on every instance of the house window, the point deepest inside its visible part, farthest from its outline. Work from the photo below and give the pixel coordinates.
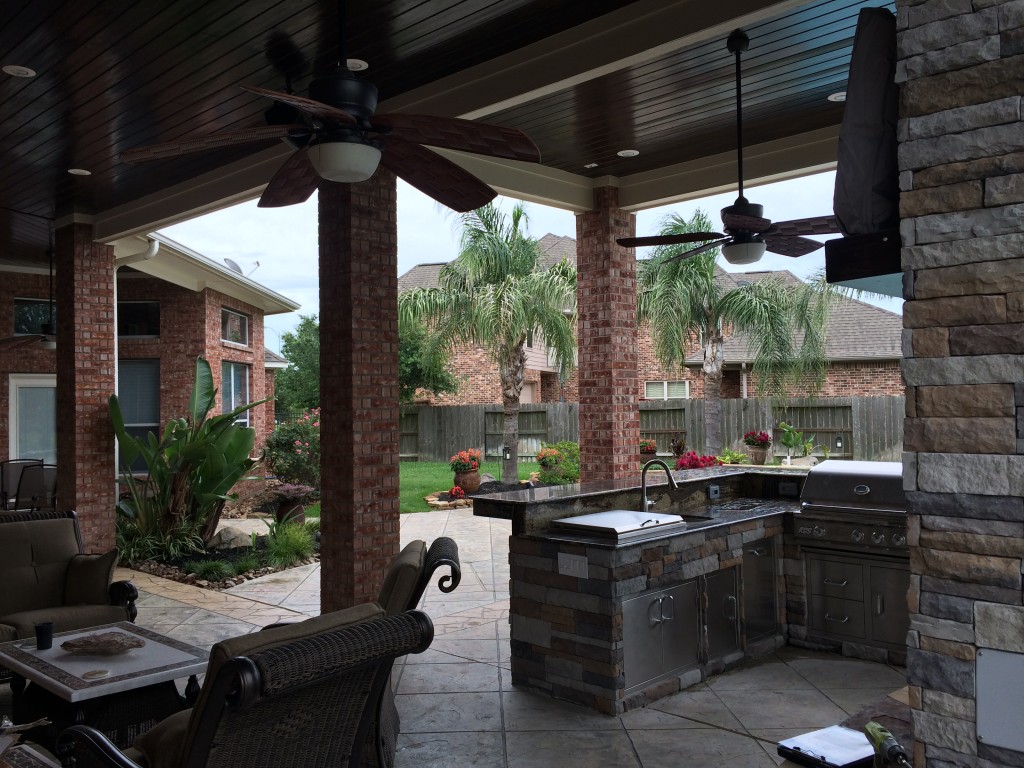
(665, 390)
(234, 327)
(138, 394)
(234, 389)
(138, 318)
(31, 314)
(33, 417)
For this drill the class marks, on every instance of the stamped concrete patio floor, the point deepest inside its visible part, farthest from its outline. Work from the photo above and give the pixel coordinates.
(457, 703)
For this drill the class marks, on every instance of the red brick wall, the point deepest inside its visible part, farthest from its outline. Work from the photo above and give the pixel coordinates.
(358, 387)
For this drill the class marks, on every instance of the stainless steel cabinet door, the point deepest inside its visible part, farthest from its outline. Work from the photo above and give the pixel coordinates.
(887, 604)
(681, 642)
(722, 613)
(642, 638)
(760, 607)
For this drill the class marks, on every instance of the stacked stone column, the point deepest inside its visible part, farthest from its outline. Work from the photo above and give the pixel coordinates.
(358, 387)
(961, 69)
(607, 340)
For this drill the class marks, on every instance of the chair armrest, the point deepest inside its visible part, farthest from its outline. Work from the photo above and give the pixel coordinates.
(125, 593)
(89, 746)
(443, 551)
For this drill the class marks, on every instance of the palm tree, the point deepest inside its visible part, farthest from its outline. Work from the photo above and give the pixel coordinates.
(689, 305)
(496, 295)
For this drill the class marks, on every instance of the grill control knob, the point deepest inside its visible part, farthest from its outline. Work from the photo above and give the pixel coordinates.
(857, 535)
(877, 537)
(899, 539)
(819, 531)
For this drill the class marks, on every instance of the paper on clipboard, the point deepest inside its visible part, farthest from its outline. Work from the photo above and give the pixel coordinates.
(834, 747)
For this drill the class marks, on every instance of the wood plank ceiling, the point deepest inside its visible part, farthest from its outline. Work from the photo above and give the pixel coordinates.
(114, 75)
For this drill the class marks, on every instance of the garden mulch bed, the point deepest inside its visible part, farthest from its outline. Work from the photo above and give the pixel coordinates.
(444, 500)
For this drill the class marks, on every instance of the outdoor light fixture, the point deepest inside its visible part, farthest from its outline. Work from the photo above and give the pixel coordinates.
(744, 252)
(345, 161)
(506, 452)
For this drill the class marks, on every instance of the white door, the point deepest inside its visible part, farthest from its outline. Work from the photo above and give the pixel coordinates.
(33, 417)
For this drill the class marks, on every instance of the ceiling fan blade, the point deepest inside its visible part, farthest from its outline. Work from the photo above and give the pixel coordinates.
(435, 176)
(698, 249)
(786, 245)
(685, 237)
(462, 135)
(813, 225)
(210, 141)
(309, 106)
(13, 342)
(293, 183)
(752, 224)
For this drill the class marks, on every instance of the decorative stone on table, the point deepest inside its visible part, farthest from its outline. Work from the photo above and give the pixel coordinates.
(103, 644)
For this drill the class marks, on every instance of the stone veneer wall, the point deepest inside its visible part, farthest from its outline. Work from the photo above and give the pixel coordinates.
(961, 154)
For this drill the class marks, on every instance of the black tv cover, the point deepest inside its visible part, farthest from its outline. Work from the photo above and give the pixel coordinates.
(867, 175)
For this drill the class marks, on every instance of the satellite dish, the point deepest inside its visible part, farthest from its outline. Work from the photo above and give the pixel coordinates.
(233, 266)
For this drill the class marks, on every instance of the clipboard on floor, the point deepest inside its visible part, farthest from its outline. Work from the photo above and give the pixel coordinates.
(832, 747)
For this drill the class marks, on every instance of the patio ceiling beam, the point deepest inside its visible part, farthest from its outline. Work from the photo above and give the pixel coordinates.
(642, 31)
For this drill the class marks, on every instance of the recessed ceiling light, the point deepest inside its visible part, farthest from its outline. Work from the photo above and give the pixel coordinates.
(838, 96)
(15, 71)
(79, 172)
(356, 65)
(628, 152)
(590, 165)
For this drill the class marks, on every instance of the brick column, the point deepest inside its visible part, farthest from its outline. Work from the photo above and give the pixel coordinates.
(961, 154)
(606, 297)
(358, 387)
(86, 470)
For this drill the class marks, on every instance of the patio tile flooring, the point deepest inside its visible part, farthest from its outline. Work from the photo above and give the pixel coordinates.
(458, 705)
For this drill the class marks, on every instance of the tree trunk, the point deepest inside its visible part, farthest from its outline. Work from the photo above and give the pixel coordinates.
(713, 396)
(511, 371)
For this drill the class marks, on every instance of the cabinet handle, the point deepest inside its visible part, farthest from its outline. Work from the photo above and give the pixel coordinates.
(654, 620)
(838, 621)
(834, 583)
(671, 601)
(730, 600)
(879, 605)
(758, 551)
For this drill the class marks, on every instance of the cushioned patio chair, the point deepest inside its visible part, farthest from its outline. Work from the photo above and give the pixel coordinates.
(304, 694)
(411, 571)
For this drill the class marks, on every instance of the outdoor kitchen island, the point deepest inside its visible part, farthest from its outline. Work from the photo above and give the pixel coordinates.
(614, 621)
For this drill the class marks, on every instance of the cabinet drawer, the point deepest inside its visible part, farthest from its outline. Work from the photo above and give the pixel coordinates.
(835, 578)
(834, 616)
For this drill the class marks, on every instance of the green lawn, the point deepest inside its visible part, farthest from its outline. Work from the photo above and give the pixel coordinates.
(417, 479)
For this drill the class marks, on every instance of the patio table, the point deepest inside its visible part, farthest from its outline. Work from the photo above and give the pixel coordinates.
(122, 695)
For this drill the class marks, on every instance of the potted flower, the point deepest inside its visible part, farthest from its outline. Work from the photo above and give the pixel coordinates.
(466, 466)
(757, 443)
(648, 446)
(291, 499)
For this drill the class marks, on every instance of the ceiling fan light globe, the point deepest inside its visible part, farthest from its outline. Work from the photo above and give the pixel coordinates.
(743, 253)
(344, 161)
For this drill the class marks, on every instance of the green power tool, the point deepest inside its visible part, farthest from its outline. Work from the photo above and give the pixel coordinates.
(888, 751)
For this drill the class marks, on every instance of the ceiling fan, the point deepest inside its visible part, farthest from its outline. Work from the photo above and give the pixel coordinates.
(747, 233)
(337, 137)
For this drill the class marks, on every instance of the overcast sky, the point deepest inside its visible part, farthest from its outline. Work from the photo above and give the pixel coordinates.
(284, 240)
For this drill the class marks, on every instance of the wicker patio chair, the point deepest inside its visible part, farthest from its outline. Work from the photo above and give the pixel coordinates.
(413, 568)
(311, 701)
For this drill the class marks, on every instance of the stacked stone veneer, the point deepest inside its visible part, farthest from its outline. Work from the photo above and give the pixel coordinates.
(961, 157)
(567, 632)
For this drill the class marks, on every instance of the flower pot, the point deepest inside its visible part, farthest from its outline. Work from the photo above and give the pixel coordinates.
(758, 454)
(468, 481)
(293, 511)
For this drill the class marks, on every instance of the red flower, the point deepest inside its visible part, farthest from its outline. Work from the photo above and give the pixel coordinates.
(690, 460)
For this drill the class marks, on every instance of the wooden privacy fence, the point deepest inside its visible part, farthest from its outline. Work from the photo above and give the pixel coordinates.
(867, 428)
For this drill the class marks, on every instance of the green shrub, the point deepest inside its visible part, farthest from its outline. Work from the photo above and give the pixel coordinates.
(313, 525)
(292, 450)
(134, 545)
(288, 543)
(245, 563)
(728, 456)
(568, 469)
(210, 570)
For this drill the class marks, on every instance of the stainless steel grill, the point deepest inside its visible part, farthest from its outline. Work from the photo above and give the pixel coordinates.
(854, 505)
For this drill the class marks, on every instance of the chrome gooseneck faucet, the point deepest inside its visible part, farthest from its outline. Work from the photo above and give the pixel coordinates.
(644, 503)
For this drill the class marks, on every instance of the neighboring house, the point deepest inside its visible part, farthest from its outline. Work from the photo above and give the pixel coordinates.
(863, 350)
(172, 307)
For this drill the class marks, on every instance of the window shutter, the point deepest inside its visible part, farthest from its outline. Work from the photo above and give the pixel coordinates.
(678, 389)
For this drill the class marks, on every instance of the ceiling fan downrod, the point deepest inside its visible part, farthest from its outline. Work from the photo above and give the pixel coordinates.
(738, 42)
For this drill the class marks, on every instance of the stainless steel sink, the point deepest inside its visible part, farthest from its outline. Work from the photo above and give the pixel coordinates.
(621, 523)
